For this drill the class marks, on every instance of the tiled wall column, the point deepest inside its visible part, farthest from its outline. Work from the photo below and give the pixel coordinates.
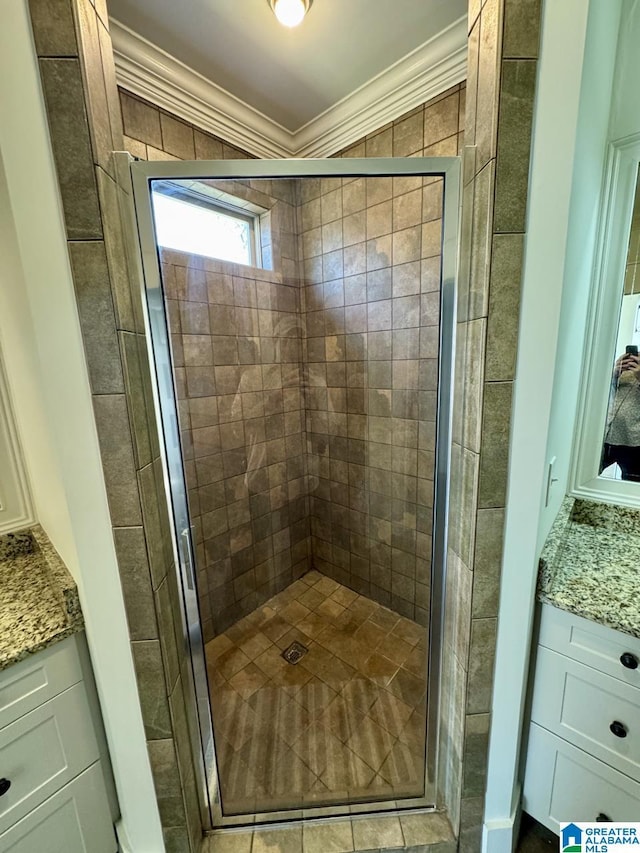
(503, 44)
(78, 81)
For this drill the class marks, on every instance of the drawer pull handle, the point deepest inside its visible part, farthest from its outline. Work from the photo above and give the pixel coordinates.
(618, 729)
(603, 818)
(5, 784)
(629, 660)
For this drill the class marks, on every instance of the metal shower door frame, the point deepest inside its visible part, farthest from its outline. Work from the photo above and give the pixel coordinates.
(199, 710)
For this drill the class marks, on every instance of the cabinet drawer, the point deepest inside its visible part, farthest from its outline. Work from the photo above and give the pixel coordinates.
(75, 820)
(37, 679)
(590, 643)
(44, 750)
(579, 704)
(562, 783)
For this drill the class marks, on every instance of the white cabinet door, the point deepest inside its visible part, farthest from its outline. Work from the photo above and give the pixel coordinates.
(75, 820)
(564, 784)
(43, 751)
(37, 679)
(593, 711)
(606, 650)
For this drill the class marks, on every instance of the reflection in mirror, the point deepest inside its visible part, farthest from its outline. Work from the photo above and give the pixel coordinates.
(621, 443)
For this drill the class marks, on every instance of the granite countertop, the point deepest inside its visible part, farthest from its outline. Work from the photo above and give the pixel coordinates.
(39, 602)
(590, 564)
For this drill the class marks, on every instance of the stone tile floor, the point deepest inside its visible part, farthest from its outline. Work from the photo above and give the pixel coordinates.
(346, 723)
(417, 833)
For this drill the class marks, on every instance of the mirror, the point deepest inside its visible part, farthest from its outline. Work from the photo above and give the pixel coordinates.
(606, 457)
(620, 458)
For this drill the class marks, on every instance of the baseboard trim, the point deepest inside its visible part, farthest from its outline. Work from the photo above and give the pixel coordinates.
(501, 834)
(498, 837)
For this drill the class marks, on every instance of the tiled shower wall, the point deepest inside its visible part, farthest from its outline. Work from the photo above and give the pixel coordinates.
(501, 86)
(369, 396)
(370, 270)
(371, 266)
(237, 347)
(383, 236)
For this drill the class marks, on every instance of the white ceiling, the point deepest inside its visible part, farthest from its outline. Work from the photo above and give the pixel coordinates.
(290, 76)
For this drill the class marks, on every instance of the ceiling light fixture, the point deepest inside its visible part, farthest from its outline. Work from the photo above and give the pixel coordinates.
(290, 13)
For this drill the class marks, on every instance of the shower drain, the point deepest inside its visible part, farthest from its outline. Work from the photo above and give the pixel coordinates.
(294, 652)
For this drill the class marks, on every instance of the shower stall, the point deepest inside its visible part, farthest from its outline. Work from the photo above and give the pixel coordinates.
(301, 317)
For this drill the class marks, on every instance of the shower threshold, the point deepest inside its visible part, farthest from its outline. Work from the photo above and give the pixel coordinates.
(345, 724)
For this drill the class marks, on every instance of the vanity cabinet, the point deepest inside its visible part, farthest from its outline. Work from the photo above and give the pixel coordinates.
(53, 790)
(583, 752)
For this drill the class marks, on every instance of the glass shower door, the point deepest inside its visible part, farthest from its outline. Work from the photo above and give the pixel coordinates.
(301, 316)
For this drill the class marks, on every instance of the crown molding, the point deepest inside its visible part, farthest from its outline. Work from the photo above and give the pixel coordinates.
(423, 74)
(145, 70)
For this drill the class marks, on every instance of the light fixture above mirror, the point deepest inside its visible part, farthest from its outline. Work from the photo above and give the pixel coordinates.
(290, 13)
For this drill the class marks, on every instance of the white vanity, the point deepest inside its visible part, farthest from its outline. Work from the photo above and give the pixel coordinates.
(53, 795)
(583, 753)
(56, 790)
(583, 738)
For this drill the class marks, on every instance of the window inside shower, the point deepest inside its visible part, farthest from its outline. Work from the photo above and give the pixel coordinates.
(312, 431)
(196, 218)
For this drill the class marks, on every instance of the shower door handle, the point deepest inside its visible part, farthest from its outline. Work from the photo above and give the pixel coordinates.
(187, 554)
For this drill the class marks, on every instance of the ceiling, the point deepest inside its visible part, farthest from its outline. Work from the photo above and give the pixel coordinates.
(290, 76)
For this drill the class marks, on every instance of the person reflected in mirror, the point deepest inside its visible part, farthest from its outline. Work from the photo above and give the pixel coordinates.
(622, 435)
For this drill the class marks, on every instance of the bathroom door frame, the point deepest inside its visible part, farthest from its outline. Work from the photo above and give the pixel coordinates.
(143, 173)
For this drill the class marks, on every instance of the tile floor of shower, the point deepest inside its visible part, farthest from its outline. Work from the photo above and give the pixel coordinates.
(345, 724)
